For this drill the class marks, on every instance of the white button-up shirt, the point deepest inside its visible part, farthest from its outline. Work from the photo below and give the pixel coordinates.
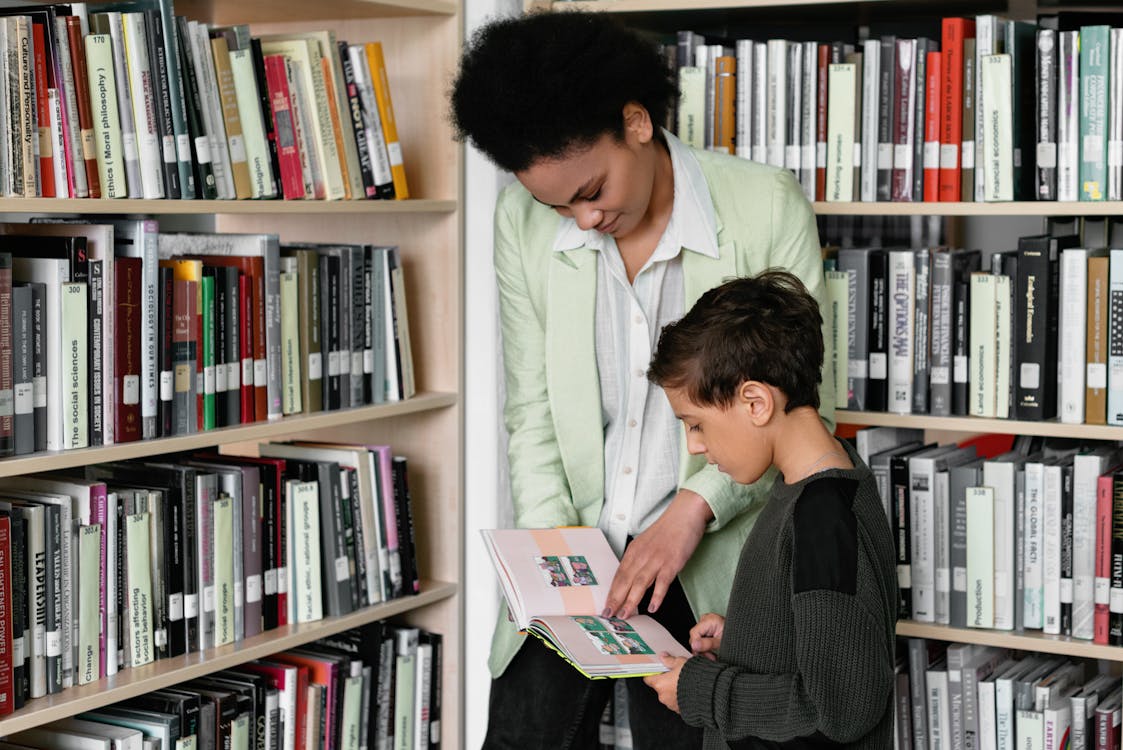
(641, 434)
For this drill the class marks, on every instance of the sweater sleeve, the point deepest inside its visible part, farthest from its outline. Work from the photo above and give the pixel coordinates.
(841, 641)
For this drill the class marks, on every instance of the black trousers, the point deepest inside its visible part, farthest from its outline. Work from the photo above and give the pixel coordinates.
(542, 703)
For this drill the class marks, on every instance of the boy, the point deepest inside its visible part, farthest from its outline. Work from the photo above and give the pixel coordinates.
(804, 655)
(612, 229)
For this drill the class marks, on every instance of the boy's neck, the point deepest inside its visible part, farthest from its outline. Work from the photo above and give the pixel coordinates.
(802, 446)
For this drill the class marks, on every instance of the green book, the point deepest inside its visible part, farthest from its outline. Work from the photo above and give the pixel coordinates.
(89, 609)
(1094, 87)
(208, 349)
(223, 570)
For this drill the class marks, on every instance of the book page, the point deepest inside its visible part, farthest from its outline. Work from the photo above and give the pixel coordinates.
(609, 647)
(552, 571)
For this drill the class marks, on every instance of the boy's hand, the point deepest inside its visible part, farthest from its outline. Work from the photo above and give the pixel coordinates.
(705, 637)
(658, 554)
(665, 685)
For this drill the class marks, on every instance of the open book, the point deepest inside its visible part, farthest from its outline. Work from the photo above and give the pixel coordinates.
(556, 583)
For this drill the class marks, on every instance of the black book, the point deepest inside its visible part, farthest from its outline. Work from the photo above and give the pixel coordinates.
(228, 707)
(7, 415)
(183, 705)
(250, 697)
(368, 325)
(39, 363)
(922, 343)
(1067, 501)
(403, 510)
(352, 525)
(365, 644)
(357, 129)
(165, 414)
(902, 514)
(206, 187)
(1021, 40)
(877, 386)
(266, 113)
(885, 117)
(221, 350)
(1037, 309)
(329, 330)
(436, 683)
(72, 249)
(963, 264)
(162, 103)
(233, 346)
(206, 736)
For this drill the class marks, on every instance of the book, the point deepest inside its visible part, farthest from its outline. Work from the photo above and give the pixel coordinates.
(555, 594)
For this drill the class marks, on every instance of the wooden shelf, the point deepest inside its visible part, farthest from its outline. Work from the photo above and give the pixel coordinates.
(161, 674)
(52, 460)
(275, 11)
(1024, 208)
(1048, 428)
(1024, 641)
(199, 207)
(658, 6)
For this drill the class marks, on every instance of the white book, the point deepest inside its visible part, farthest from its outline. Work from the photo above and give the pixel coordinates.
(902, 314)
(138, 592)
(58, 149)
(997, 165)
(691, 108)
(1086, 470)
(422, 693)
(808, 120)
(1115, 118)
(980, 557)
(987, 33)
(1072, 333)
(123, 738)
(53, 273)
(983, 359)
(1056, 721)
(777, 80)
(253, 125)
(1033, 613)
(939, 709)
(988, 720)
(305, 592)
(143, 103)
(75, 391)
(372, 120)
(1000, 474)
(1051, 549)
(743, 108)
(871, 78)
(124, 106)
(350, 727)
(760, 103)
(199, 47)
(841, 91)
(1029, 729)
(62, 739)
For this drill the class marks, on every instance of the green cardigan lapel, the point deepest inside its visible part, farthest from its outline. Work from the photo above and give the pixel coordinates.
(571, 373)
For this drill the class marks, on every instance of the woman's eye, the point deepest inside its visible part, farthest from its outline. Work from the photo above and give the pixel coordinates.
(594, 196)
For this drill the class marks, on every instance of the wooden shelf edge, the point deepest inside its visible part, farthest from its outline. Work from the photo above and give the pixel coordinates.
(161, 674)
(1048, 428)
(653, 6)
(1025, 208)
(203, 207)
(1023, 641)
(50, 461)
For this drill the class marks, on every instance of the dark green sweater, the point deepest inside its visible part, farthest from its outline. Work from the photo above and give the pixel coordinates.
(806, 657)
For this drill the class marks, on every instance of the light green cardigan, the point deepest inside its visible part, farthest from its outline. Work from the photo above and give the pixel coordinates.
(553, 408)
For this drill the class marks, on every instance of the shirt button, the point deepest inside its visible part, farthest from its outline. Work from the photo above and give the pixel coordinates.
(632, 423)
(621, 517)
(639, 319)
(639, 372)
(627, 469)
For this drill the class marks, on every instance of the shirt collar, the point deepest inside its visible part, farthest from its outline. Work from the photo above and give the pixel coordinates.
(692, 216)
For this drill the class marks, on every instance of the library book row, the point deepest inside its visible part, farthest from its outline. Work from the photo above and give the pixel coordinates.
(992, 110)
(137, 102)
(375, 686)
(962, 695)
(113, 566)
(1024, 334)
(112, 332)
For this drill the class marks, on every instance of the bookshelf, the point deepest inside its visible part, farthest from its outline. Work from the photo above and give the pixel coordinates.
(421, 40)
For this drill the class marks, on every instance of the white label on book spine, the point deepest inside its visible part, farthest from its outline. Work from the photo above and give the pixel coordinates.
(943, 579)
(333, 363)
(247, 372)
(6, 403)
(168, 142)
(902, 156)
(808, 156)
(260, 372)
(356, 362)
(237, 148)
(775, 154)
(904, 576)
(18, 656)
(175, 607)
(203, 149)
(167, 385)
(342, 569)
(220, 380)
(1000, 587)
(208, 598)
(879, 365)
(283, 580)
(1047, 155)
(939, 375)
(239, 598)
(130, 389)
(760, 154)
(39, 387)
(821, 155)
(25, 398)
(856, 368)
(885, 156)
(39, 635)
(190, 605)
(368, 361)
(1093, 151)
(54, 643)
(949, 156)
(394, 150)
(160, 636)
(931, 154)
(1115, 153)
(1115, 602)
(1102, 591)
(233, 377)
(791, 157)
(128, 141)
(208, 379)
(269, 579)
(1030, 375)
(1097, 375)
(1066, 591)
(253, 588)
(315, 366)
(183, 147)
(959, 362)
(959, 578)
(856, 159)
(968, 154)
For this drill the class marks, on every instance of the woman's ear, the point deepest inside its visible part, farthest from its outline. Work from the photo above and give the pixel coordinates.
(758, 400)
(637, 122)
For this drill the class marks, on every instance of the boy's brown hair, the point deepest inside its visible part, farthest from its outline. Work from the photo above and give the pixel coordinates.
(765, 328)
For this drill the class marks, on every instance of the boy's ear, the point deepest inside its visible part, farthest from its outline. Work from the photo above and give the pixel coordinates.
(637, 122)
(758, 400)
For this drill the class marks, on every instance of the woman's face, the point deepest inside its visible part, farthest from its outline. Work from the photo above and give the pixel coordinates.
(606, 186)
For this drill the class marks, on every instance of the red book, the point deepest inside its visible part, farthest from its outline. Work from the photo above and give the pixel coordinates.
(7, 696)
(822, 68)
(955, 30)
(246, 322)
(286, 678)
(288, 155)
(43, 112)
(1103, 560)
(127, 330)
(933, 116)
(321, 671)
(85, 110)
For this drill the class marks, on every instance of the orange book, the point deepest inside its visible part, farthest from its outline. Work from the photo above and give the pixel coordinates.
(336, 125)
(386, 112)
(933, 112)
(955, 30)
(725, 97)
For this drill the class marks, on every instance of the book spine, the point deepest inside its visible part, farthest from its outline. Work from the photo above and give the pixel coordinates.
(253, 126)
(1068, 117)
(954, 30)
(1046, 103)
(920, 53)
(127, 320)
(842, 84)
(75, 166)
(997, 147)
(358, 127)
(198, 144)
(871, 81)
(904, 129)
(223, 545)
(162, 104)
(85, 146)
(1094, 90)
(1102, 584)
(75, 344)
(1073, 309)
(107, 128)
(1095, 392)
(139, 590)
(114, 26)
(229, 110)
(877, 391)
(921, 330)
(166, 345)
(822, 103)
(142, 96)
(807, 119)
(902, 283)
(983, 357)
(760, 110)
(292, 180)
(886, 116)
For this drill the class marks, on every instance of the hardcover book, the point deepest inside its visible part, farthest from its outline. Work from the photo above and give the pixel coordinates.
(555, 582)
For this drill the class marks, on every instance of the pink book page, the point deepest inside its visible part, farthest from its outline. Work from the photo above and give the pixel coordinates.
(565, 571)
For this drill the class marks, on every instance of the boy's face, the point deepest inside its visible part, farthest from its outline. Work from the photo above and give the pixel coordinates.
(728, 437)
(606, 186)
